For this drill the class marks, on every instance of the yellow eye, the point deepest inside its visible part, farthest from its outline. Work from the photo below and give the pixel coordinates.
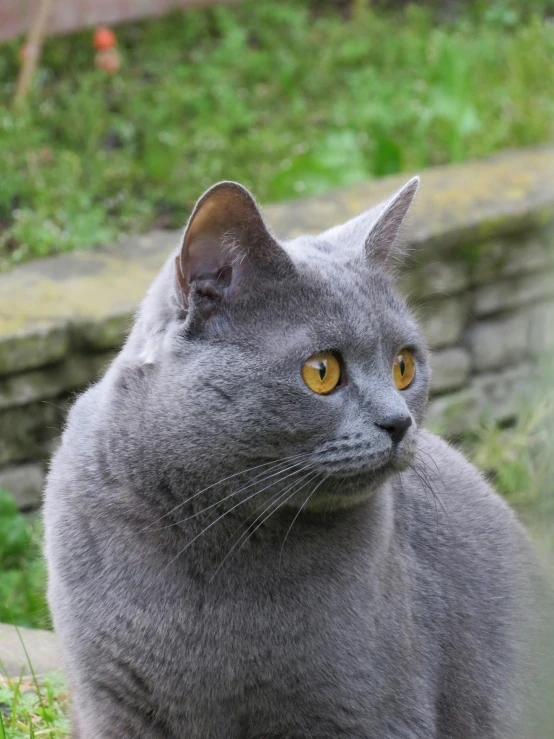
(321, 373)
(404, 369)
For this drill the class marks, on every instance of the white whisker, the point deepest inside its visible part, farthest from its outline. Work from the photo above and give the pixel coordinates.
(272, 502)
(256, 481)
(220, 482)
(209, 526)
(297, 514)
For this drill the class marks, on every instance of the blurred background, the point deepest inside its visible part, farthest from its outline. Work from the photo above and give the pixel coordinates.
(115, 116)
(291, 97)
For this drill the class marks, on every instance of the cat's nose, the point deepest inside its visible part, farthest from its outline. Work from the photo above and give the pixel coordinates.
(396, 426)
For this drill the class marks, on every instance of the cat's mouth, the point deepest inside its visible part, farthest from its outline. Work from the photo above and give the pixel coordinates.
(359, 460)
(355, 466)
(352, 479)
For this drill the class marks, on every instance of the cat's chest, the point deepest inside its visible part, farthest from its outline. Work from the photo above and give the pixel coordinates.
(266, 639)
(256, 622)
(320, 635)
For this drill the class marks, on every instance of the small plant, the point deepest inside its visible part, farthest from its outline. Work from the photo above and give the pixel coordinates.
(518, 459)
(30, 708)
(22, 568)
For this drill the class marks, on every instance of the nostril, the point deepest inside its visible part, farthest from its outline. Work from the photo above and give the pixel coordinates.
(396, 426)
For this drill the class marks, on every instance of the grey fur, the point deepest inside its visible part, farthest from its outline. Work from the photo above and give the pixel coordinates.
(386, 599)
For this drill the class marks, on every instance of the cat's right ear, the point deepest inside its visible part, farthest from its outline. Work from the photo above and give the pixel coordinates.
(384, 231)
(374, 233)
(225, 244)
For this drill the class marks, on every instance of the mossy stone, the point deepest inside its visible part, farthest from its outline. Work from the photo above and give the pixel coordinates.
(72, 374)
(32, 347)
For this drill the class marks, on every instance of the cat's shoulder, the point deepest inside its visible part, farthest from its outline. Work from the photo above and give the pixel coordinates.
(442, 484)
(443, 463)
(459, 538)
(76, 452)
(82, 420)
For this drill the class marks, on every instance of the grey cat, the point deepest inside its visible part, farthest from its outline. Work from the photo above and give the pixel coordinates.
(249, 534)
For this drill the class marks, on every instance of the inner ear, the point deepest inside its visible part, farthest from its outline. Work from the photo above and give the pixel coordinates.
(225, 236)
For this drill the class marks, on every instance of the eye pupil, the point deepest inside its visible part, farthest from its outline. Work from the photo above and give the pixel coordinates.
(322, 370)
(402, 365)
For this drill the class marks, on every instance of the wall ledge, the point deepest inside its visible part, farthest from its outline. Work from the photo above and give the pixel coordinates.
(88, 297)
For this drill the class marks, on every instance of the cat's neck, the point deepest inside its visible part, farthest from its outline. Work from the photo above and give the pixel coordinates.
(285, 538)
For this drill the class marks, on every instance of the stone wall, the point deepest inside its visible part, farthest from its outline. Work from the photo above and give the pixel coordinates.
(69, 15)
(480, 275)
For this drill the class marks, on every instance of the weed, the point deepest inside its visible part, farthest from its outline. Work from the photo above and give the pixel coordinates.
(25, 714)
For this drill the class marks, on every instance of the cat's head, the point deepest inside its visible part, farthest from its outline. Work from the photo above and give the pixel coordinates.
(249, 351)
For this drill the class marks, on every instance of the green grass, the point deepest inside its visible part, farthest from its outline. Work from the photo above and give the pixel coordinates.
(290, 97)
(33, 708)
(22, 568)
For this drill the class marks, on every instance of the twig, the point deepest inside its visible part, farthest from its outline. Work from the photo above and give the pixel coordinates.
(32, 51)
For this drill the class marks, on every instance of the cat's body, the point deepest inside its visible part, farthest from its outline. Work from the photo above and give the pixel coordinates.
(385, 599)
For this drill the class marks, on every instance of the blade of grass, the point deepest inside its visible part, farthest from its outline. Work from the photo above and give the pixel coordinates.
(35, 681)
(16, 692)
(4, 670)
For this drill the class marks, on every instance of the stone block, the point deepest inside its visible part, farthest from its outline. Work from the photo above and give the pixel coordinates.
(106, 333)
(32, 347)
(541, 330)
(26, 431)
(458, 204)
(433, 279)
(451, 368)
(24, 482)
(495, 396)
(73, 374)
(500, 259)
(514, 293)
(42, 648)
(501, 394)
(443, 320)
(451, 414)
(499, 343)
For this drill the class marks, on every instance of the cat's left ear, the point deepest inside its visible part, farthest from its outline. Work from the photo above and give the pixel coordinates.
(384, 230)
